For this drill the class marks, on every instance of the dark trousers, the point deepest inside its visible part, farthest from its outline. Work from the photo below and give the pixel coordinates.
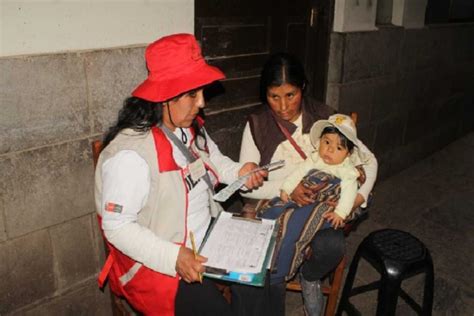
(200, 300)
(259, 301)
(327, 251)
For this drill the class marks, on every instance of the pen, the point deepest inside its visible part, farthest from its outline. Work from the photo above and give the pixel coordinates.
(191, 236)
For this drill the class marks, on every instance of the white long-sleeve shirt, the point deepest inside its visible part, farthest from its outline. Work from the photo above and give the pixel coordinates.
(126, 181)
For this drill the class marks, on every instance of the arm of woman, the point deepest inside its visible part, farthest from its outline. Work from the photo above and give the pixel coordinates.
(126, 182)
(370, 169)
(348, 195)
(250, 153)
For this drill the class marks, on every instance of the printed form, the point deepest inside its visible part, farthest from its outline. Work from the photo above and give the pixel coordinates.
(237, 244)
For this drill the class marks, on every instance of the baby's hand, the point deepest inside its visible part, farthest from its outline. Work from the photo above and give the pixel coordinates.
(284, 196)
(335, 220)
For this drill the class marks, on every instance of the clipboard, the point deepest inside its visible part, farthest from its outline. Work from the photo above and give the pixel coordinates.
(218, 249)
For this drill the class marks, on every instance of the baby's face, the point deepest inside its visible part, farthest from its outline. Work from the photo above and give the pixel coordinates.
(330, 149)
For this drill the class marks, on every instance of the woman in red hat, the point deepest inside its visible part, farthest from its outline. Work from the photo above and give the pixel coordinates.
(154, 181)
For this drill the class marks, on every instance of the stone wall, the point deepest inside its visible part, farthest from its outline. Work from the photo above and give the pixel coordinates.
(52, 106)
(413, 88)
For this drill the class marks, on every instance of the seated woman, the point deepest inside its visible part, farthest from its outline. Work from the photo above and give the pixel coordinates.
(280, 130)
(331, 168)
(153, 186)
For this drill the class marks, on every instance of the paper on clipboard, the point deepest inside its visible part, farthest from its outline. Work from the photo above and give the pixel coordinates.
(238, 249)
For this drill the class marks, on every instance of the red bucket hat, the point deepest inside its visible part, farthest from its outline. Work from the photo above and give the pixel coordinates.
(175, 65)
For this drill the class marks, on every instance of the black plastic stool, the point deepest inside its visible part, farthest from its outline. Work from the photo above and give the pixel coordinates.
(396, 255)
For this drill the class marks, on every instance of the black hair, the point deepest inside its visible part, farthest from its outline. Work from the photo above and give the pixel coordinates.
(279, 69)
(138, 114)
(141, 115)
(345, 142)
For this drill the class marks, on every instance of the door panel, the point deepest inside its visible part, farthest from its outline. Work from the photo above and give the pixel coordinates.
(238, 35)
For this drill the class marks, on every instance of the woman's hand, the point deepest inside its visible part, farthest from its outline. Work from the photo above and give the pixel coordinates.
(303, 195)
(256, 178)
(362, 177)
(188, 267)
(359, 200)
(284, 196)
(335, 220)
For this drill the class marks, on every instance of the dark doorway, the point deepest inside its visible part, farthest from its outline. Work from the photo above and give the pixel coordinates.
(238, 35)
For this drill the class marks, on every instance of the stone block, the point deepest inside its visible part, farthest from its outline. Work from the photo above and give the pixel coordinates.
(409, 49)
(336, 53)
(386, 92)
(333, 95)
(357, 97)
(85, 299)
(412, 92)
(426, 48)
(389, 134)
(112, 75)
(423, 90)
(372, 54)
(419, 122)
(47, 186)
(408, 154)
(366, 133)
(74, 251)
(43, 100)
(462, 43)
(98, 240)
(447, 134)
(439, 89)
(450, 111)
(384, 160)
(467, 114)
(26, 271)
(462, 79)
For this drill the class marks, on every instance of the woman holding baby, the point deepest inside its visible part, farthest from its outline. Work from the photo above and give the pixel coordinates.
(280, 130)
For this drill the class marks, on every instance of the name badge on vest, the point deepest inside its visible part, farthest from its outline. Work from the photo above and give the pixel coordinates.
(197, 170)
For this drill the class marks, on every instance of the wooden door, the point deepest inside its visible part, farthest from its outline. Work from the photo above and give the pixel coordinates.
(238, 35)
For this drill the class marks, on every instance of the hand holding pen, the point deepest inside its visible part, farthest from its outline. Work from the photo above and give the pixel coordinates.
(193, 243)
(189, 264)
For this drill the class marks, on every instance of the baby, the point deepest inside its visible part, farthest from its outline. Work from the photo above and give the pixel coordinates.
(334, 140)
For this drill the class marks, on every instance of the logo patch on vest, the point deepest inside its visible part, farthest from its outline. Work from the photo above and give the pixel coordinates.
(190, 183)
(114, 208)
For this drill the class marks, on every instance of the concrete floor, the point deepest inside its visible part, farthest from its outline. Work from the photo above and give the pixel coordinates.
(434, 201)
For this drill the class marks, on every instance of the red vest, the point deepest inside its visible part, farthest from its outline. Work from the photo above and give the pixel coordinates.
(147, 291)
